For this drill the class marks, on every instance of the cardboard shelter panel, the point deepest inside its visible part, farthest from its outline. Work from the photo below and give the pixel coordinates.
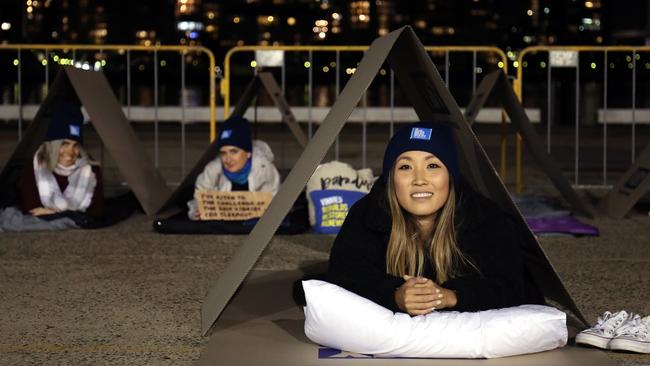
(273, 334)
(496, 83)
(92, 90)
(431, 100)
(118, 137)
(263, 81)
(219, 295)
(32, 139)
(629, 189)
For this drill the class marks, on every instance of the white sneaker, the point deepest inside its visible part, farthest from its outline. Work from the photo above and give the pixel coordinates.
(604, 330)
(633, 336)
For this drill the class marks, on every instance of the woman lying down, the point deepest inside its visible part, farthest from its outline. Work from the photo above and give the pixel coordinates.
(61, 187)
(421, 242)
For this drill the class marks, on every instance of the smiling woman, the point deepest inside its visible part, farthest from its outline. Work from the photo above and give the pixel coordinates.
(424, 240)
(62, 177)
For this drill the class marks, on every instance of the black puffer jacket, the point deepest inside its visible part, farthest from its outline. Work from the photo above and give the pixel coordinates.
(486, 235)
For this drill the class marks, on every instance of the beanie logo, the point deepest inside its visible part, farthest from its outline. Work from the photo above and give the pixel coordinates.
(418, 133)
(75, 130)
(225, 134)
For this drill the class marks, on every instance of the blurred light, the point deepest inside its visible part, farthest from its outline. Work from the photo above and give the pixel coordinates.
(236, 20)
(163, 63)
(589, 4)
(321, 35)
(253, 63)
(593, 65)
(500, 64)
(547, 10)
(529, 12)
(628, 58)
(44, 62)
(611, 65)
(307, 64)
(630, 66)
(382, 72)
(524, 64)
(542, 64)
(16, 62)
(5, 26)
(332, 64)
(103, 63)
(270, 18)
(638, 57)
(363, 17)
(479, 70)
(29, 9)
(647, 66)
(336, 16)
(348, 71)
(55, 58)
(291, 21)
(193, 35)
(515, 64)
(98, 65)
(189, 26)
(326, 69)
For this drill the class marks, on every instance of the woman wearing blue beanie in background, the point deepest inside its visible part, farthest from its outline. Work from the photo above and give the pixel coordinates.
(62, 177)
(242, 165)
(423, 240)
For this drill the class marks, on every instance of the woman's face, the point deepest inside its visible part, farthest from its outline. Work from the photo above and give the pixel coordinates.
(68, 152)
(233, 158)
(421, 183)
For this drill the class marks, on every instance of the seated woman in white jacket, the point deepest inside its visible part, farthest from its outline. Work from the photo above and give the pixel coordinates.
(242, 165)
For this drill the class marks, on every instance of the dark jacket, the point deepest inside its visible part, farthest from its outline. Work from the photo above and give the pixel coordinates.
(486, 235)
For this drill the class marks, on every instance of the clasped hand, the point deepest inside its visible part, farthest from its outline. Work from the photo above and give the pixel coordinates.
(420, 295)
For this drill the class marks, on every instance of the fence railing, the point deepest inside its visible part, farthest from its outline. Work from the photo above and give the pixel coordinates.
(572, 85)
(302, 68)
(129, 65)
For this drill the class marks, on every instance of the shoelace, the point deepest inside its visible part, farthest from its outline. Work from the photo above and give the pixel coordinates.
(634, 326)
(610, 322)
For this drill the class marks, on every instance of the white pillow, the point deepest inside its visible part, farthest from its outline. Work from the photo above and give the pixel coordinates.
(337, 318)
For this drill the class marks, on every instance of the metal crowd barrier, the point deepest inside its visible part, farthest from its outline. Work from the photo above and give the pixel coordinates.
(52, 56)
(334, 56)
(593, 67)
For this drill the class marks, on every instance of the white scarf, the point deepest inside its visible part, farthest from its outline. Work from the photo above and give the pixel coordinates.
(77, 195)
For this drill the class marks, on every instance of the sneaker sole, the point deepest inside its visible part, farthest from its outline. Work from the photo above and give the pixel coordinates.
(593, 340)
(618, 344)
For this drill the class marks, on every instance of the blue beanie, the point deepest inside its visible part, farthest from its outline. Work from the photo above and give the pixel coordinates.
(236, 131)
(66, 121)
(436, 138)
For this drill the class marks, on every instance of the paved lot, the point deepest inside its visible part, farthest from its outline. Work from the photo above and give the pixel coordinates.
(126, 295)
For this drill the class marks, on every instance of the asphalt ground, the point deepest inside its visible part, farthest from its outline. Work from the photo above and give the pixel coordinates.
(127, 295)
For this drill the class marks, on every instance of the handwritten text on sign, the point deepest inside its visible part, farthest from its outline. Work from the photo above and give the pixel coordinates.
(232, 206)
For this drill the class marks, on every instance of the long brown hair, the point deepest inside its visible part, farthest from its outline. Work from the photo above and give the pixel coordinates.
(405, 254)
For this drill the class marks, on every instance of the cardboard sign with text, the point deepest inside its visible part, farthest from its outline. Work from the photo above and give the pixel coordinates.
(231, 206)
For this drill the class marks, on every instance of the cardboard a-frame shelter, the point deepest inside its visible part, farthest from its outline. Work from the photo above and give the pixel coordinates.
(91, 89)
(262, 325)
(262, 81)
(496, 84)
(629, 189)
